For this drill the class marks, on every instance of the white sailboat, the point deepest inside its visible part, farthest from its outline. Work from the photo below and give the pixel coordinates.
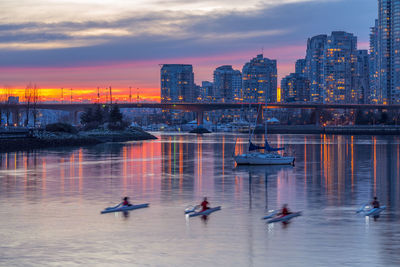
(268, 157)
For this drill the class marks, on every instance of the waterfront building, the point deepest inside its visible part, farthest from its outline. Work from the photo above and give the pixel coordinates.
(227, 84)
(301, 67)
(177, 83)
(207, 91)
(339, 69)
(375, 96)
(197, 94)
(260, 80)
(362, 83)
(295, 88)
(314, 65)
(389, 50)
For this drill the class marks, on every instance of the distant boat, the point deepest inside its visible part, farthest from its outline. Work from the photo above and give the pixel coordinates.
(268, 157)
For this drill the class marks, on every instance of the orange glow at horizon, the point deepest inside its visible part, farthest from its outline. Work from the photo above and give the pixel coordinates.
(87, 94)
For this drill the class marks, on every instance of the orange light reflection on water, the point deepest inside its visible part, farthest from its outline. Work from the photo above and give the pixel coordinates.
(44, 174)
(375, 164)
(352, 163)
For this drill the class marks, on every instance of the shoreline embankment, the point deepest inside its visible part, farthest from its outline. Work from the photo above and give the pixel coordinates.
(335, 130)
(33, 139)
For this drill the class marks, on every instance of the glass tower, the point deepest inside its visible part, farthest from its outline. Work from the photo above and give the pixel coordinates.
(389, 50)
(260, 82)
(177, 83)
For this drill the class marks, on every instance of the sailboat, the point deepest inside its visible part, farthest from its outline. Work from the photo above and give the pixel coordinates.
(268, 157)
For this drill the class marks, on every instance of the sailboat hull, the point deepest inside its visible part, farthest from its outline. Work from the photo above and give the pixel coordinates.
(263, 159)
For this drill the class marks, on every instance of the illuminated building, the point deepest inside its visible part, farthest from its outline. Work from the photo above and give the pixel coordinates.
(362, 78)
(177, 83)
(375, 89)
(389, 50)
(227, 84)
(314, 65)
(207, 91)
(301, 66)
(339, 69)
(295, 88)
(260, 80)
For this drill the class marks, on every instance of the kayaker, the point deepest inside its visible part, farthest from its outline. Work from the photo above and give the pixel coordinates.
(375, 203)
(126, 202)
(204, 204)
(285, 211)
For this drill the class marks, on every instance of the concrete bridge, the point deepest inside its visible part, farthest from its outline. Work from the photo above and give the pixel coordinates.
(199, 108)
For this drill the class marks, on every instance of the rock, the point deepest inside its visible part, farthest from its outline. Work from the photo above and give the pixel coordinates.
(200, 130)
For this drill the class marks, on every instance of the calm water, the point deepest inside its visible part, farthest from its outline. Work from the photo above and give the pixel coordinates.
(50, 203)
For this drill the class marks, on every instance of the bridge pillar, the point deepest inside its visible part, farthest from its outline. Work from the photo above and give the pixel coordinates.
(200, 117)
(260, 115)
(74, 117)
(317, 117)
(15, 117)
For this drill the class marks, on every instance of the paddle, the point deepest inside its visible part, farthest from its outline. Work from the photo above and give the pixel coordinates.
(110, 208)
(362, 209)
(273, 214)
(190, 208)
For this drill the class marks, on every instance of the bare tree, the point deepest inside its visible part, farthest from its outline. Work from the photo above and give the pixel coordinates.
(35, 99)
(2, 101)
(28, 101)
(6, 93)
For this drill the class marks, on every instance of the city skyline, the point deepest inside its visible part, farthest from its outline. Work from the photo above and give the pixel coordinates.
(86, 51)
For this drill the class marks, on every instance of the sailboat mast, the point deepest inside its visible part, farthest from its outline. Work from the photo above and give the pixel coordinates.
(265, 131)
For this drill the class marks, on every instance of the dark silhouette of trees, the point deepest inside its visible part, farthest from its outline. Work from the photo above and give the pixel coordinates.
(101, 116)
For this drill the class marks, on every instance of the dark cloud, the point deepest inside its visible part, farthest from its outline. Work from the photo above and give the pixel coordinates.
(191, 35)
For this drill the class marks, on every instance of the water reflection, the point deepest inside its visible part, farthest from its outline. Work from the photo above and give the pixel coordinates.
(332, 177)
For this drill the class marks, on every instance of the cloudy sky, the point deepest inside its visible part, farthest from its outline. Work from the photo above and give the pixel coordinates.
(84, 44)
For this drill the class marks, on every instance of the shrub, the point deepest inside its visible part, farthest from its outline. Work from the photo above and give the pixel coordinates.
(61, 127)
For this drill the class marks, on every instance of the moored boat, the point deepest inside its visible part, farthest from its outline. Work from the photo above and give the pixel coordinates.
(263, 159)
(269, 157)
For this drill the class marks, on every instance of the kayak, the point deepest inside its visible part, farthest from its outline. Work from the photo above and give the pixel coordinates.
(271, 215)
(374, 211)
(285, 218)
(206, 212)
(124, 208)
(190, 209)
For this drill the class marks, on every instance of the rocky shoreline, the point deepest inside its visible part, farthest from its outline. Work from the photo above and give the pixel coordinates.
(44, 139)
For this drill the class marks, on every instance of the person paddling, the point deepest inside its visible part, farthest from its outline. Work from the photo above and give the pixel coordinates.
(204, 204)
(126, 202)
(375, 204)
(285, 211)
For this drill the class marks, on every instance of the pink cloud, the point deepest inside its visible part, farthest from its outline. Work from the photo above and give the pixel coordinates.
(140, 74)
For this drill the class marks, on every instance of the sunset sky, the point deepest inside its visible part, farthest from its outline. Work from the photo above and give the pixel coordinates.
(85, 44)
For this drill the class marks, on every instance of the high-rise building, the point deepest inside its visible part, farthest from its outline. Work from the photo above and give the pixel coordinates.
(389, 50)
(177, 83)
(301, 66)
(339, 69)
(295, 88)
(227, 84)
(260, 80)
(375, 90)
(314, 65)
(362, 83)
(207, 91)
